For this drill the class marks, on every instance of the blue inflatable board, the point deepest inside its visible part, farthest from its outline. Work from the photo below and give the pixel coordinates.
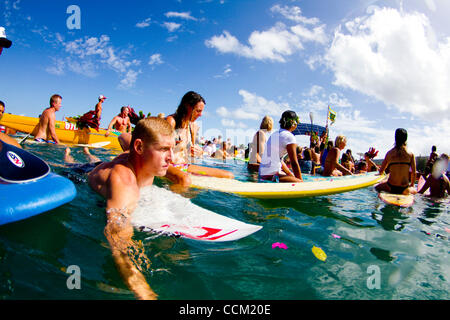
(27, 187)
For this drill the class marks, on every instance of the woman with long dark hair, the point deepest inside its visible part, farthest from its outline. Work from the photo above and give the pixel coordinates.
(402, 167)
(183, 121)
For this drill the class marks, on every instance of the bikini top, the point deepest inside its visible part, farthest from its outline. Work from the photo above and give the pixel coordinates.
(183, 143)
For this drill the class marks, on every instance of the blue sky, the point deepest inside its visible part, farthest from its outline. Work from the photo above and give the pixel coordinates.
(379, 64)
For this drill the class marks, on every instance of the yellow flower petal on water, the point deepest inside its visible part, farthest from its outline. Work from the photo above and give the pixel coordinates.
(319, 253)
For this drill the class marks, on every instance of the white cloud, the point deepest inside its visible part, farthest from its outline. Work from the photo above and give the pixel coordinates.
(315, 35)
(260, 106)
(143, 24)
(129, 80)
(317, 98)
(86, 56)
(226, 72)
(181, 15)
(232, 124)
(293, 13)
(171, 26)
(431, 5)
(276, 43)
(396, 58)
(57, 68)
(223, 112)
(155, 59)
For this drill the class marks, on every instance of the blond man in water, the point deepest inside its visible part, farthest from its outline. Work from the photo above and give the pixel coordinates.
(120, 181)
(47, 121)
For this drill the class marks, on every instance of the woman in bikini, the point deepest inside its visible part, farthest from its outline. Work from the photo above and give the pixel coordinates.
(401, 165)
(190, 109)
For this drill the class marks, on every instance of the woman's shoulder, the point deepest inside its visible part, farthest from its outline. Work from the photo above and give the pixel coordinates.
(171, 120)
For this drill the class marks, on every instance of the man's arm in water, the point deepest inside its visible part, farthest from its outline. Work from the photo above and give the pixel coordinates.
(123, 195)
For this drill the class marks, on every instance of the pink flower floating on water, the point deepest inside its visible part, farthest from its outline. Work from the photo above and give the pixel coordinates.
(279, 245)
(335, 236)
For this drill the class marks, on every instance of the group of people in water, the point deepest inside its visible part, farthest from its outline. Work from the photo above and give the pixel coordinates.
(163, 147)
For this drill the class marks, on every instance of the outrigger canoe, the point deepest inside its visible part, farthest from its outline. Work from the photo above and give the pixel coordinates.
(312, 186)
(66, 131)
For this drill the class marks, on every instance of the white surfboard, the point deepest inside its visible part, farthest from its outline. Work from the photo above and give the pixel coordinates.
(162, 211)
(100, 144)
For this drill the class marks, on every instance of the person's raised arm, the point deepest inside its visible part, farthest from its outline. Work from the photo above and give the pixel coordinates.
(119, 231)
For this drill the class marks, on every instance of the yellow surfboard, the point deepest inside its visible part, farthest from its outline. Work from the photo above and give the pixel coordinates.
(67, 132)
(315, 186)
(397, 199)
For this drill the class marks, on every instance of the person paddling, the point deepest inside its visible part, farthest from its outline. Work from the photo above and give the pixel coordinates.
(120, 181)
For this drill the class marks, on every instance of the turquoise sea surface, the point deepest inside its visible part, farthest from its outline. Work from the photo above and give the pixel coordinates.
(374, 250)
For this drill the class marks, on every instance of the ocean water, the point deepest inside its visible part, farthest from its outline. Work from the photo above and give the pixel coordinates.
(374, 250)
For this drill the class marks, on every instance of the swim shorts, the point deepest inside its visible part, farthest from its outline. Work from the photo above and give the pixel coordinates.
(83, 168)
(271, 178)
(397, 189)
(44, 141)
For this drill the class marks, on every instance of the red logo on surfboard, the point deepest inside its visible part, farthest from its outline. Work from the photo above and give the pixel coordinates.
(15, 159)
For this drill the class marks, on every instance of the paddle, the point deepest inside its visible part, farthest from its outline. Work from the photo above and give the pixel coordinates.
(26, 137)
(20, 166)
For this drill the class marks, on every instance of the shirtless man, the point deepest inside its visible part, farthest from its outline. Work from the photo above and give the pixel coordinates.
(47, 120)
(98, 107)
(121, 122)
(120, 181)
(332, 167)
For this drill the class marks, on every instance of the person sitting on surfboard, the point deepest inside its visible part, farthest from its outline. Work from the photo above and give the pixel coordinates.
(46, 126)
(120, 181)
(281, 142)
(437, 181)
(259, 143)
(183, 122)
(402, 167)
(332, 167)
(121, 122)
